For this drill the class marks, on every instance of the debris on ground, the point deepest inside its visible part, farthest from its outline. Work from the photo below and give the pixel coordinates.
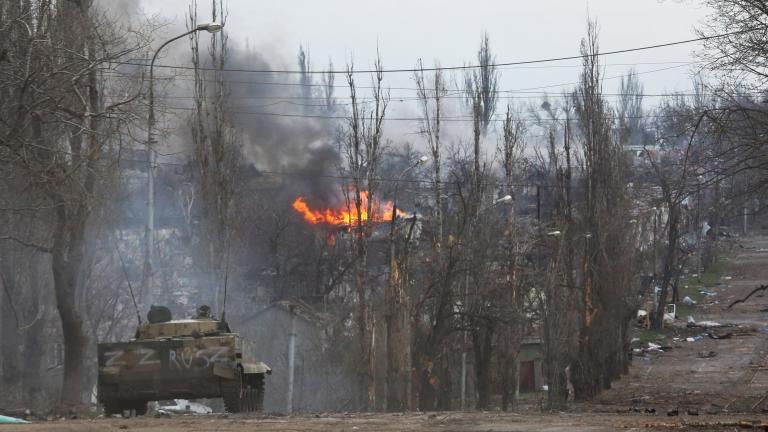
(759, 288)
(692, 323)
(688, 301)
(673, 412)
(11, 420)
(183, 406)
(715, 335)
(707, 354)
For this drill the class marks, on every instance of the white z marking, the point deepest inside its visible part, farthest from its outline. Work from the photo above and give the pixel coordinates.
(147, 354)
(112, 357)
(218, 352)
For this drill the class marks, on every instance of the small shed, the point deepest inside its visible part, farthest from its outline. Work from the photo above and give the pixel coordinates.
(267, 336)
(529, 366)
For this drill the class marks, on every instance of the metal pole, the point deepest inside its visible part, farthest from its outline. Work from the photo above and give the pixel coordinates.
(291, 361)
(150, 232)
(745, 221)
(464, 380)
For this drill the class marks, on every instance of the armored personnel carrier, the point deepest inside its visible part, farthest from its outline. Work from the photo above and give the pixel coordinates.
(179, 359)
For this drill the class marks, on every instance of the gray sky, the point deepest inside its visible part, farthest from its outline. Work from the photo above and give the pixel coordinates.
(450, 31)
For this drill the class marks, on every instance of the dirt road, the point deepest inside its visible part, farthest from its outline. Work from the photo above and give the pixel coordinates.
(685, 376)
(453, 421)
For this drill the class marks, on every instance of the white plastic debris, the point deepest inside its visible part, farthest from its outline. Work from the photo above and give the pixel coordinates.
(704, 324)
(709, 324)
(704, 229)
(11, 420)
(185, 406)
(654, 347)
(688, 301)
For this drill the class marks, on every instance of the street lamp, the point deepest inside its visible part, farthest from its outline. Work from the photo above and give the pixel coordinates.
(212, 27)
(505, 198)
(422, 160)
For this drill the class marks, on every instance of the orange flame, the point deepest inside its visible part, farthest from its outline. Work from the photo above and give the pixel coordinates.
(381, 212)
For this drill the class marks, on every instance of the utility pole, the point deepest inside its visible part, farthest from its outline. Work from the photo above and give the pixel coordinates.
(745, 220)
(291, 360)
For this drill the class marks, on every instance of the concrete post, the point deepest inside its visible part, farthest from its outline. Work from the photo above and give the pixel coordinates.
(291, 361)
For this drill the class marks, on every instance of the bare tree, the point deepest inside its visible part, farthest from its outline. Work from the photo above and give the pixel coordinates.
(435, 299)
(216, 152)
(481, 85)
(513, 293)
(363, 148)
(604, 316)
(57, 116)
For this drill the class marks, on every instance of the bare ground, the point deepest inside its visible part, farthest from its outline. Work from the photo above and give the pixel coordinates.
(736, 378)
(453, 421)
(728, 390)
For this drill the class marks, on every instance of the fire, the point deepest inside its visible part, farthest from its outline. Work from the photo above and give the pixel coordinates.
(381, 212)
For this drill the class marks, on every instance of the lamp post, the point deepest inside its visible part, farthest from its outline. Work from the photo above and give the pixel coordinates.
(212, 27)
(422, 160)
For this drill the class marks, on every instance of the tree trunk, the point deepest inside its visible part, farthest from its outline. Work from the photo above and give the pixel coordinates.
(482, 343)
(364, 327)
(11, 338)
(670, 262)
(398, 343)
(66, 261)
(33, 343)
(509, 378)
(557, 382)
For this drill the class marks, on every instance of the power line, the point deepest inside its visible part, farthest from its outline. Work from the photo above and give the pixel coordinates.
(452, 94)
(445, 119)
(463, 67)
(532, 95)
(348, 177)
(297, 84)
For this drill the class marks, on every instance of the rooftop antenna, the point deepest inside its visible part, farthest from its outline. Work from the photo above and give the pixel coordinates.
(127, 279)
